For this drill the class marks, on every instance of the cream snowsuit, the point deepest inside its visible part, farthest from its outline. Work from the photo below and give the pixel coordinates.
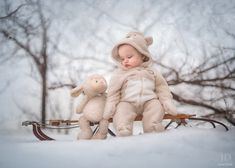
(137, 91)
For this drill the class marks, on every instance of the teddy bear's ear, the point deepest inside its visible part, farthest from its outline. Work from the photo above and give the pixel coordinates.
(149, 40)
(76, 91)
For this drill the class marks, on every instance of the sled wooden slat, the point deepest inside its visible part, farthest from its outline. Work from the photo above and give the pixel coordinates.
(138, 118)
(166, 116)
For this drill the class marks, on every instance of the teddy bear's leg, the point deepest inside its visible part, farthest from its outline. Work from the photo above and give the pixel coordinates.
(102, 131)
(152, 116)
(86, 132)
(123, 119)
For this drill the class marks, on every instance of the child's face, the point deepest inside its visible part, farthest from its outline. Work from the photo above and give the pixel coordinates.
(130, 57)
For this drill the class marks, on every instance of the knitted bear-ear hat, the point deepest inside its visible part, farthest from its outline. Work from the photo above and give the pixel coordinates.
(139, 42)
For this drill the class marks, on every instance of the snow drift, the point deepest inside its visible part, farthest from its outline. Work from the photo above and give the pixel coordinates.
(182, 147)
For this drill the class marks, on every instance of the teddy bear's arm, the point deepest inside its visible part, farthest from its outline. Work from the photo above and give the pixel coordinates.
(82, 104)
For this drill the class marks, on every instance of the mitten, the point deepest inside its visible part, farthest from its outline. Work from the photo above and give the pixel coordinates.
(169, 107)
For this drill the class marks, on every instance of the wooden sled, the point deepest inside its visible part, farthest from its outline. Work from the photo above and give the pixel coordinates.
(180, 119)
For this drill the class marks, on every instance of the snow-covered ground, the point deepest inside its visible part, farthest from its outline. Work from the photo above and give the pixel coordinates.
(182, 147)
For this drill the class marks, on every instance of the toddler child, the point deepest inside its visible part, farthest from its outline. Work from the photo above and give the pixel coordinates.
(136, 88)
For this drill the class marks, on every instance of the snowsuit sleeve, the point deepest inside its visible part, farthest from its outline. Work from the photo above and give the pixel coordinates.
(162, 88)
(164, 94)
(113, 96)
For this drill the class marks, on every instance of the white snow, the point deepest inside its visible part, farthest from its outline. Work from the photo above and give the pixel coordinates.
(182, 147)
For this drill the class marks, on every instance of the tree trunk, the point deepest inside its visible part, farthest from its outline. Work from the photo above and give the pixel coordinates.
(44, 94)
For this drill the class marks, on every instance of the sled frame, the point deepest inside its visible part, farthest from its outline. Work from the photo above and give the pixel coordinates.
(179, 119)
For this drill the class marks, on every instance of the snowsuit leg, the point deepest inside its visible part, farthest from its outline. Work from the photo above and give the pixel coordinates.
(152, 116)
(124, 118)
(86, 132)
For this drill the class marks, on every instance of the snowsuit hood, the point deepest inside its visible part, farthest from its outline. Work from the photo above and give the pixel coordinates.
(139, 42)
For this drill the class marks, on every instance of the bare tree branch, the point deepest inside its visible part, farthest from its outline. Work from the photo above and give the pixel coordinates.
(13, 12)
(196, 103)
(21, 45)
(55, 86)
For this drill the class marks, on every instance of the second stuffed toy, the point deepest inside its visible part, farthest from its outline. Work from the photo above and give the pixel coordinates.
(92, 106)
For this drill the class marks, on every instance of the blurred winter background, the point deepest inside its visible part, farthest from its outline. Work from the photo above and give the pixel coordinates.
(48, 47)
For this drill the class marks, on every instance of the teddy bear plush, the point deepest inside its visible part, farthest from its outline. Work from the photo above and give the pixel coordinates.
(92, 107)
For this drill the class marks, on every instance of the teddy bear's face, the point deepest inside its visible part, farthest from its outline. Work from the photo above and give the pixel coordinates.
(98, 84)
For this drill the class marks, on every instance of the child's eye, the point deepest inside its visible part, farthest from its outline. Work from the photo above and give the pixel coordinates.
(129, 56)
(96, 81)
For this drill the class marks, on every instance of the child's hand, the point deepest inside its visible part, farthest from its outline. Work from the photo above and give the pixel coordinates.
(169, 107)
(107, 116)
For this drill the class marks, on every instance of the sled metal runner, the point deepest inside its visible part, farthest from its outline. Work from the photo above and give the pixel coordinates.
(179, 119)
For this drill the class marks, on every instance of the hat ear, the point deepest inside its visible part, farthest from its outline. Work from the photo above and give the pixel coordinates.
(149, 40)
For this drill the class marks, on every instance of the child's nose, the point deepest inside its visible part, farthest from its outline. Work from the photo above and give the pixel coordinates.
(126, 61)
